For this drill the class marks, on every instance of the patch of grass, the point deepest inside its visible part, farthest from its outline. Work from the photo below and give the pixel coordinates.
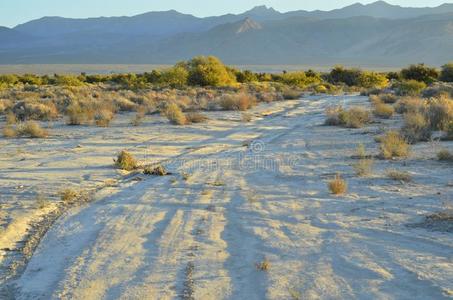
(393, 145)
(155, 170)
(445, 155)
(363, 167)
(338, 185)
(126, 161)
(399, 175)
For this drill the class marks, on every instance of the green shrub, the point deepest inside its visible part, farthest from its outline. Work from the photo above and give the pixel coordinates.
(393, 145)
(420, 72)
(372, 80)
(447, 72)
(125, 161)
(350, 77)
(209, 71)
(67, 80)
(409, 87)
(176, 76)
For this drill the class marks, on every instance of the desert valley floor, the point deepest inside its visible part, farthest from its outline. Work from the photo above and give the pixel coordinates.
(240, 195)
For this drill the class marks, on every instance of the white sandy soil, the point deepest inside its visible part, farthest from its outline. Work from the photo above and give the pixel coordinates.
(253, 192)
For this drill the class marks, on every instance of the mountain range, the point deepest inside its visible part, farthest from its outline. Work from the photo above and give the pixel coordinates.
(373, 34)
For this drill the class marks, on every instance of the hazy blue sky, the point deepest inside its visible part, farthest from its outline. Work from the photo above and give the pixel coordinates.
(13, 12)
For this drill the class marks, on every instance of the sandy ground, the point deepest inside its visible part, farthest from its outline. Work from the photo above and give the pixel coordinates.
(240, 194)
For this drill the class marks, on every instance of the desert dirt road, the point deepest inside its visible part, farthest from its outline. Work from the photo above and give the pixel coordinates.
(256, 192)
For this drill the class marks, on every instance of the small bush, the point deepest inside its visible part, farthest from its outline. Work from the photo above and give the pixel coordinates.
(291, 94)
(125, 161)
(385, 98)
(416, 128)
(445, 155)
(447, 72)
(364, 167)
(33, 130)
(338, 185)
(264, 265)
(76, 115)
(175, 115)
(383, 110)
(409, 87)
(420, 72)
(399, 175)
(440, 113)
(361, 151)
(409, 104)
(195, 117)
(393, 145)
(355, 117)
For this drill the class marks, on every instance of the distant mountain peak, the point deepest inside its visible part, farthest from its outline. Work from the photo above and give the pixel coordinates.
(261, 10)
(247, 25)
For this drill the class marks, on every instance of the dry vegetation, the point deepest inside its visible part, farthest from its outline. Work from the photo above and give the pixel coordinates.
(338, 185)
(126, 161)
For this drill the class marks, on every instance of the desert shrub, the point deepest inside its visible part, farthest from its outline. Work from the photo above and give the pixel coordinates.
(9, 132)
(35, 110)
(32, 129)
(138, 118)
(241, 101)
(410, 105)
(103, 117)
(291, 94)
(11, 118)
(175, 115)
(67, 80)
(393, 145)
(126, 161)
(372, 80)
(355, 117)
(209, 71)
(195, 117)
(363, 167)
(333, 116)
(444, 155)
(176, 76)
(76, 115)
(361, 151)
(440, 113)
(409, 87)
(155, 170)
(338, 185)
(339, 74)
(30, 79)
(9, 79)
(399, 175)
(297, 79)
(416, 127)
(383, 110)
(420, 72)
(447, 72)
(385, 98)
(264, 265)
(246, 76)
(5, 105)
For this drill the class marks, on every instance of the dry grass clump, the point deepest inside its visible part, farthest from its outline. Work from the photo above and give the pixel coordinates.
(126, 161)
(416, 127)
(241, 101)
(364, 167)
(246, 118)
(264, 265)
(384, 98)
(155, 171)
(338, 185)
(11, 118)
(78, 115)
(29, 129)
(35, 110)
(399, 175)
(175, 115)
(291, 94)
(445, 155)
(195, 117)
(5, 105)
(139, 116)
(383, 110)
(393, 145)
(69, 196)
